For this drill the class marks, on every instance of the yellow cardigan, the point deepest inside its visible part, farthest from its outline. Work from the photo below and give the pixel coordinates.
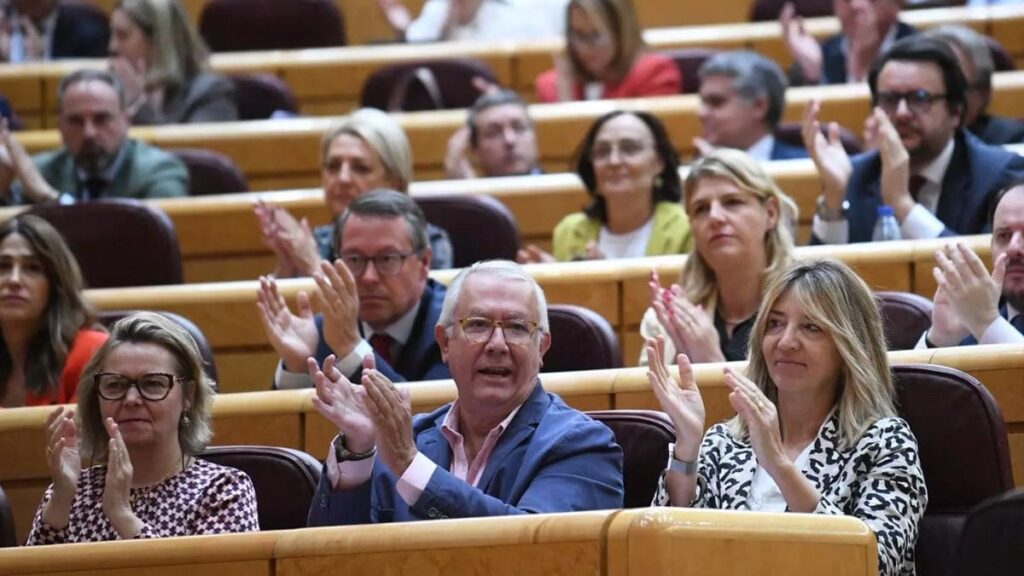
(670, 233)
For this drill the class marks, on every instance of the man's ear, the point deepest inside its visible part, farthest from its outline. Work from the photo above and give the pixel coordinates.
(545, 344)
(441, 335)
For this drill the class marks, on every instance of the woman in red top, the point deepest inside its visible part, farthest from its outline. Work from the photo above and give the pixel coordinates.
(45, 325)
(607, 57)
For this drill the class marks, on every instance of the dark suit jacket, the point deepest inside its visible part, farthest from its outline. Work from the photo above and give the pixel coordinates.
(975, 174)
(420, 358)
(206, 98)
(833, 65)
(971, 340)
(551, 458)
(79, 32)
(783, 151)
(997, 130)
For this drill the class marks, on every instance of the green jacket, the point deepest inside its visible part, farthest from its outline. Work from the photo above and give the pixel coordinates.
(146, 172)
(670, 233)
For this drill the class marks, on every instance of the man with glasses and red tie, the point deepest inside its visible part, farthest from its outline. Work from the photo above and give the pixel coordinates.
(504, 447)
(938, 178)
(376, 299)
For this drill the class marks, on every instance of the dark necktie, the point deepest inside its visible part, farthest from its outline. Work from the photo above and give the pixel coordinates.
(93, 188)
(1018, 323)
(381, 343)
(916, 183)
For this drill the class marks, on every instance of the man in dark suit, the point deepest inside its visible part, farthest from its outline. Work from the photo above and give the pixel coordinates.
(52, 30)
(938, 178)
(975, 57)
(97, 159)
(972, 306)
(376, 300)
(869, 28)
(742, 97)
(504, 447)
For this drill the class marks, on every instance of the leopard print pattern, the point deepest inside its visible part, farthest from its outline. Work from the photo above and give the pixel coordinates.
(879, 480)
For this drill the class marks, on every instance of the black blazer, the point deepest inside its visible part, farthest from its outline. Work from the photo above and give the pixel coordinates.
(79, 32)
(833, 70)
(997, 130)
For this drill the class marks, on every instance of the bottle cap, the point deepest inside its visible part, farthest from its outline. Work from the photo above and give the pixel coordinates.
(885, 210)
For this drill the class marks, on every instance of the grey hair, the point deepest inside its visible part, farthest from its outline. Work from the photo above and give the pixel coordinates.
(194, 432)
(753, 76)
(383, 135)
(498, 268)
(490, 100)
(89, 75)
(974, 47)
(384, 203)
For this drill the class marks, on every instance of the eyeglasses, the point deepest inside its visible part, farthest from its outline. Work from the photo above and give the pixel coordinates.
(602, 151)
(516, 332)
(385, 264)
(595, 39)
(918, 101)
(153, 387)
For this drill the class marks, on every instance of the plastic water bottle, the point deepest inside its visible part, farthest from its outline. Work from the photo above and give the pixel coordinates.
(886, 227)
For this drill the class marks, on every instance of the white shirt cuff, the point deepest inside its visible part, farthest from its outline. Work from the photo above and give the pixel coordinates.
(921, 345)
(414, 480)
(346, 475)
(285, 380)
(350, 364)
(920, 224)
(837, 232)
(1000, 331)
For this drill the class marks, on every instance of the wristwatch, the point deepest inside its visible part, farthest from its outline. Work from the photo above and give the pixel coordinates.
(683, 467)
(822, 211)
(343, 454)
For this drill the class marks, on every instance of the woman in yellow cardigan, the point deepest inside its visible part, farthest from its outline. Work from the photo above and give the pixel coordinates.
(630, 169)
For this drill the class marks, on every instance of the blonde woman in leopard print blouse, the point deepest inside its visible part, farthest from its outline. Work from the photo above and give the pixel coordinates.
(816, 430)
(143, 414)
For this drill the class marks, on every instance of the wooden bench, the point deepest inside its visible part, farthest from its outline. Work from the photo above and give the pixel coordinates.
(257, 146)
(605, 543)
(329, 80)
(287, 418)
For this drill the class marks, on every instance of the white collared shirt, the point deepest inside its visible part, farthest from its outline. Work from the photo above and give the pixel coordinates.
(920, 222)
(762, 149)
(495, 20)
(17, 48)
(400, 332)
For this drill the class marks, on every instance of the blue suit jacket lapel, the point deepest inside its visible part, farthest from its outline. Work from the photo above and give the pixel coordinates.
(433, 444)
(520, 429)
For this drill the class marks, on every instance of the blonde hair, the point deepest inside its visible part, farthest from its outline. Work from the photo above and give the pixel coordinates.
(697, 278)
(619, 18)
(194, 432)
(383, 135)
(834, 297)
(179, 54)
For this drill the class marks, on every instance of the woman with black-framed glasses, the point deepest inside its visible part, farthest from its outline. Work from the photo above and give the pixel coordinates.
(143, 416)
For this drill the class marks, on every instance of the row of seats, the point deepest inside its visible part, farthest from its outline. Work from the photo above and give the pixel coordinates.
(329, 81)
(960, 432)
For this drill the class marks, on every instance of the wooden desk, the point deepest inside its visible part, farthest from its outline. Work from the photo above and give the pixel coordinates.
(329, 80)
(276, 155)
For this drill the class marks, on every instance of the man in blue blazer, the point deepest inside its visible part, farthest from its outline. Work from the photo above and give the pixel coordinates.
(972, 306)
(376, 299)
(65, 30)
(938, 178)
(742, 97)
(505, 446)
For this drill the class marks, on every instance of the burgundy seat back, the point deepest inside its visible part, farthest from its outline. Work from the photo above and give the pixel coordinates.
(762, 10)
(479, 227)
(8, 537)
(109, 317)
(429, 85)
(581, 339)
(210, 172)
(790, 133)
(644, 436)
(906, 316)
(260, 95)
(285, 481)
(118, 242)
(964, 454)
(993, 538)
(238, 25)
(689, 61)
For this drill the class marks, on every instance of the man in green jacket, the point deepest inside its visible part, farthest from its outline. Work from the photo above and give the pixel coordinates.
(97, 160)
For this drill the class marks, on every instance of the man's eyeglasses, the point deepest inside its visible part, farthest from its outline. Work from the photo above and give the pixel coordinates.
(516, 332)
(153, 387)
(385, 264)
(918, 101)
(602, 151)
